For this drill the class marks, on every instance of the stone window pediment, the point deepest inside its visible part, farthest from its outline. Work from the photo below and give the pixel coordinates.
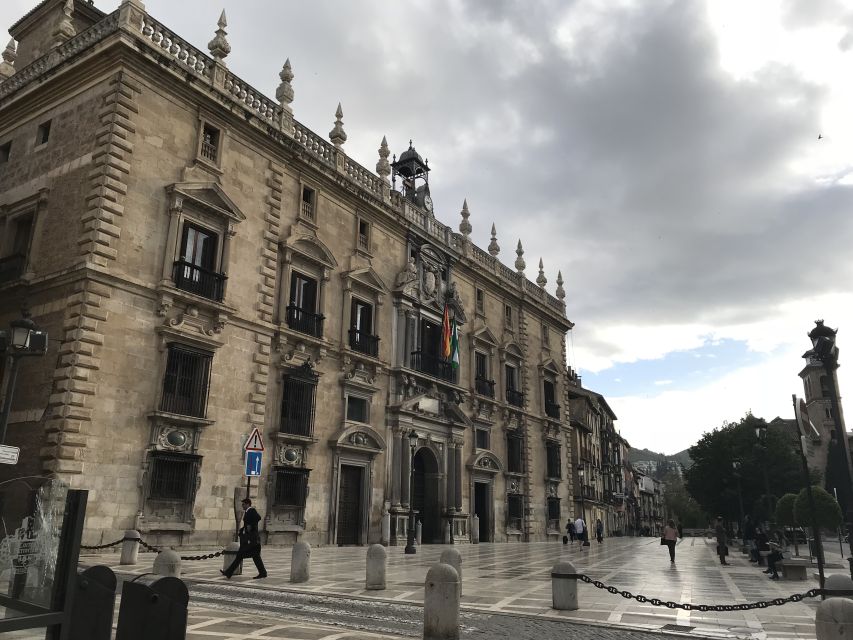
(484, 336)
(359, 438)
(312, 249)
(206, 196)
(486, 462)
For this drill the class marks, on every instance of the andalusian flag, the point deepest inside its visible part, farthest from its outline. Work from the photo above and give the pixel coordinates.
(446, 336)
(454, 345)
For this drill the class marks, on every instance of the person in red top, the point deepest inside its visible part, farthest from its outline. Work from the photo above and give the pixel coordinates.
(670, 537)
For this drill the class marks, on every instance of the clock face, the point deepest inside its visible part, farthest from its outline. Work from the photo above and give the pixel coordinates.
(427, 202)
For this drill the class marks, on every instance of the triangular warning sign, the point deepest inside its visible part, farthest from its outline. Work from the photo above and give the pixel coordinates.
(255, 441)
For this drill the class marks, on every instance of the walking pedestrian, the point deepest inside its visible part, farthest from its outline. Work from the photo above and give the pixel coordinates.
(722, 540)
(670, 537)
(680, 530)
(250, 542)
(599, 531)
(580, 527)
(570, 530)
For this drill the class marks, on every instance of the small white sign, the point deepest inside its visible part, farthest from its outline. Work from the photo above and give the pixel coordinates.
(9, 455)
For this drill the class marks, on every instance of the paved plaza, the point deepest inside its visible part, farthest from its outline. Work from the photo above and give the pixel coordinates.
(510, 579)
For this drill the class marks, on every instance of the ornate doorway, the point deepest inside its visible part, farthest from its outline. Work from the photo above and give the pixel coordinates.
(349, 505)
(425, 496)
(483, 509)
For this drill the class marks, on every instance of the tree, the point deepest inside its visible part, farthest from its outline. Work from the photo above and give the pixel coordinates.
(785, 510)
(711, 479)
(827, 511)
(680, 504)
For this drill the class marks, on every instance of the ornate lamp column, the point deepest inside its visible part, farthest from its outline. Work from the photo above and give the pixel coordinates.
(410, 539)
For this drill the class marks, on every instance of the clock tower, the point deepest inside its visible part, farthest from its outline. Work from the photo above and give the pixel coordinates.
(413, 169)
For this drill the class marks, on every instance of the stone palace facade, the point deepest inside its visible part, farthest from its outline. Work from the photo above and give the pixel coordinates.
(205, 265)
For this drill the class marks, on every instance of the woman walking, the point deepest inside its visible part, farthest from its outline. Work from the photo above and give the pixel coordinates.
(670, 537)
(599, 530)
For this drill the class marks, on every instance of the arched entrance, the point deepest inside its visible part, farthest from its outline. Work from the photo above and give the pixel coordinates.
(425, 495)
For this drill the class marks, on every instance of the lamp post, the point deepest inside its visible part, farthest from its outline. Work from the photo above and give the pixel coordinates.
(580, 477)
(802, 419)
(736, 466)
(410, 538)
(761, 448)
(22, 339)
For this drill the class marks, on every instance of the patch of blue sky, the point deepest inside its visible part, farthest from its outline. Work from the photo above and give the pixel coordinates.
(682, 370)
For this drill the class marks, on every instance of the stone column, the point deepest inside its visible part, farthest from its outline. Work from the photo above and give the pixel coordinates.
(396, 467)
(406, 471)
(457, 463)
(451, 475)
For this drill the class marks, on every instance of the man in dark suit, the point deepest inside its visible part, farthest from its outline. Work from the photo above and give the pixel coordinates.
(250, 542)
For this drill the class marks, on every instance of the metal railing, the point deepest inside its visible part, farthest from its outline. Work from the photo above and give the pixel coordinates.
(363, 342)
(484, 387)
(305, 321)
(208, 151)
(308, 210)
(552, 410)
(433, 365)
(297, 406)
(515, 398)
(192, 278)
(185, 383)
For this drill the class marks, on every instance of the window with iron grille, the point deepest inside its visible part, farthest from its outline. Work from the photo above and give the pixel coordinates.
(553, 451)
(515, 463)
(357, 409)
(172, 476)
(297, 402)
(307, 203)
(553, 509)
(210, 143)
(364, 235)
(185, 384)
(482, 438)
(514, 510)
(291, 488)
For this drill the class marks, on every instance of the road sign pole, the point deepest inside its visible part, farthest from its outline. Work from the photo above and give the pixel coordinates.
(248, 485)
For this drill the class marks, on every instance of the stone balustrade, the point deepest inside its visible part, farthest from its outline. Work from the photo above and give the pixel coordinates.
(175, 47)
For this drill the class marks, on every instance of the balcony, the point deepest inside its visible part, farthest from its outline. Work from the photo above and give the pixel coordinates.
(12, 267)
(363, 342)
(192, 278)
(515, 398)
(305, 321)
(433, 366)
(552, 410)
(484, 387)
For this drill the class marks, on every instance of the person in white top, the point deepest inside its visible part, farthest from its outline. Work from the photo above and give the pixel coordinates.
(580, 527)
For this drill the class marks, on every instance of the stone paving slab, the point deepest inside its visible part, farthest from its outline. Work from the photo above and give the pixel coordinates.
(515, 578)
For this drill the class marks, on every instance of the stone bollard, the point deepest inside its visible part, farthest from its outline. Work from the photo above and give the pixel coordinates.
(834, 619)
(475, 530)
(130, 547)
(418, 531)
(454, 559)
(441, 603)
(228, 555)
(447, 537)
(377, 560)
(300, 562)
(564, 588)
(168, 563)
(386, 529)
(839, 582)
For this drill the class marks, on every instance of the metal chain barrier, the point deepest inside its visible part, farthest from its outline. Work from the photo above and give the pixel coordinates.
(763, 604)
(148, 547)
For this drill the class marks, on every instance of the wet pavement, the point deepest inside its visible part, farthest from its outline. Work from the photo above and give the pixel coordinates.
(506, 593)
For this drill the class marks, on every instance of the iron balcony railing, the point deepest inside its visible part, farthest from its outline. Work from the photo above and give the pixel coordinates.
(305, 321)
(552, 410)
(515, 398)
(363, 342)
(433, 365)
(484, 387)
(297, 405)
(12, 267)
(192, 278)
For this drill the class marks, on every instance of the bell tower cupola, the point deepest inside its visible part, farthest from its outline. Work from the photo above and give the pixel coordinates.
(414, 174)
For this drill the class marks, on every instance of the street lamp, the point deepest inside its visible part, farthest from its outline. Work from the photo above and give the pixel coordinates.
(410, 539)
(761, 447)
(22, 339)
(580, 477)
(736, 466)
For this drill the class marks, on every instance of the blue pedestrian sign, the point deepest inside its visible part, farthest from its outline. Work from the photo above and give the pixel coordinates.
(253, 464)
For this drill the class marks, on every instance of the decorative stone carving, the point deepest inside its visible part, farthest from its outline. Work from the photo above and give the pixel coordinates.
(552, 490)
(295, 352)
(10, 54)
(519, 261)
(174, 438)
(289, 455)
(337, 135)
(359, 373)
(514, 486)
(494, 248)
(430, 282)
(383, 169)
(561, 293)
(65, 28)
(454, 302)
(407, 280)
(190, 319)
(487, 463)
(284, 92)
(541, 280)
(219, 47)
(465, 227)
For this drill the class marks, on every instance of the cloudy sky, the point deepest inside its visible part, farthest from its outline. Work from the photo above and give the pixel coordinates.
(664, 154)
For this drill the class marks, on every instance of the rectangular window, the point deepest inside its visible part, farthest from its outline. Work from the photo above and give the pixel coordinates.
(515, 463)
(5, 152)
(210, 143)
(513, 395)
(297, 403)
(357, 409)
(195, 269)
(361, 336)
(553, 460)
(546, 335)
(428, 358)
(508, 315)
(13, 260)
(482, 383)
(514, 511)
(43, 133)
(552, 409)
(363, 235)
(291, 488)
(308, 202)
(302, 311)
(481, 438)
(553, 513)
(185, 384)
(481, 301)
(172, 476)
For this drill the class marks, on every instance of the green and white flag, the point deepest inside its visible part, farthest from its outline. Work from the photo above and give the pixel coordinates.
(454, 344)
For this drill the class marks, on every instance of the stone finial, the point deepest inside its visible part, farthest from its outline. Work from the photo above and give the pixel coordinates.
(383, 169)
(337, 135)
(494, 249)
(10, 54)
(65, 28)
(284, 93)
(561, 293)
(465, 226)
(219, 47)
(519, 261)
(541, 280)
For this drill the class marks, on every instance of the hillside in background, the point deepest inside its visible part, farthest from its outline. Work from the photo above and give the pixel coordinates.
(682, 457)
